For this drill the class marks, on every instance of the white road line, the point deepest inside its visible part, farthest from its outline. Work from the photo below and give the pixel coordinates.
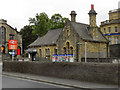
(37, 81)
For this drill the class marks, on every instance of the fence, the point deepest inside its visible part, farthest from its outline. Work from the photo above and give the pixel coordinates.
(102, 60)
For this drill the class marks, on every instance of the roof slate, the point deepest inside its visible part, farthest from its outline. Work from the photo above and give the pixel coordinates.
(82, 29)
(49, 39)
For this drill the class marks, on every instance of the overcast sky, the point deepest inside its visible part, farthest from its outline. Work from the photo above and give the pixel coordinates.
(18, 12)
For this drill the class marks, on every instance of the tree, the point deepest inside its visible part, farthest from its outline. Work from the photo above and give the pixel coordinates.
(41, 24)
(58, 21)
(27, 36)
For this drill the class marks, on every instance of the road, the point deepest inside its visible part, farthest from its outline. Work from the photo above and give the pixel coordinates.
(13, 82)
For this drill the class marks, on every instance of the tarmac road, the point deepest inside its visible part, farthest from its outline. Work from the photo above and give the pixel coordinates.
(13, 82)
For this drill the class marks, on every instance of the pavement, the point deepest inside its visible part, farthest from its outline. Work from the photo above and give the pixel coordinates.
(60, 81)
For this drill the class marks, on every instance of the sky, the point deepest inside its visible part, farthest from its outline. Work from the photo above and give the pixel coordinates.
(18, 12)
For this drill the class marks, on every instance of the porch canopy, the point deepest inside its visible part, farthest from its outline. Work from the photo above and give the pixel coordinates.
(31, 50)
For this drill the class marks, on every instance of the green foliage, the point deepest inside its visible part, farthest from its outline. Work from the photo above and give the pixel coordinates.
(41, 24)
(58, 21)
(27, 36)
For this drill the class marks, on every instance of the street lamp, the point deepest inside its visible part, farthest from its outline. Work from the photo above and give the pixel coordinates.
(85, 50)
(1, 39)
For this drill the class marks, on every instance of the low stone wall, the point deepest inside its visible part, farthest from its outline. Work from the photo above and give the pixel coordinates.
(91, 72)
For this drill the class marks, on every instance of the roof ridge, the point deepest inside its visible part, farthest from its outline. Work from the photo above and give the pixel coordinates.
(81, 23)
(55, 29)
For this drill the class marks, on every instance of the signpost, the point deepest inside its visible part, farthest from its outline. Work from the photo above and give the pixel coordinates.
(13, 47)
(12, 44)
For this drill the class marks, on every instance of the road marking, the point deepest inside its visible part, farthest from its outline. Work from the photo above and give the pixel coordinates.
(37, 81)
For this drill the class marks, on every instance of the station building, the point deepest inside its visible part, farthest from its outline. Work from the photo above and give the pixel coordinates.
(79, 39)
(7, 33)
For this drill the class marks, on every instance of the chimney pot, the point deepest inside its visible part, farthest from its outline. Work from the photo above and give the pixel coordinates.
(92, 7)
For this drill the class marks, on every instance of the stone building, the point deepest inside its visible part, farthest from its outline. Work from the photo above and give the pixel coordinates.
(79, 39)
(8, 33)
(111, 28)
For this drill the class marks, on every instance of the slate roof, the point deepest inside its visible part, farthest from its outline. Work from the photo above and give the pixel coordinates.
(83, 31)
(49, 39)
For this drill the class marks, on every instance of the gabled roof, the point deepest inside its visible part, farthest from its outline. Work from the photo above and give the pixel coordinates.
(49, 39)
(83, 32)
(82, 29)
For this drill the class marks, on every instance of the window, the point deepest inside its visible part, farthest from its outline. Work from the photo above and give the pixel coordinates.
(71, 50)
(109, 30)
(48, 51)
(110, 40)
(2, 34)
(45, 51)
(68, 32)
(55, 51)
(64, 50)
(104, 30)
(116, 40)
(11, 36)
(68, 46)
(116, 29)
(40, 53)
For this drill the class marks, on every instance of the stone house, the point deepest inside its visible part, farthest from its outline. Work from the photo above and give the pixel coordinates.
(81, 40)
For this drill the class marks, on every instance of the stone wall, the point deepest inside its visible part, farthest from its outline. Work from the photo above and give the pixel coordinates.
(91, 72)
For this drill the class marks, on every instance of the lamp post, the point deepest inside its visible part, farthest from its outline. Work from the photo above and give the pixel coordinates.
(1, 42)
(85, 50)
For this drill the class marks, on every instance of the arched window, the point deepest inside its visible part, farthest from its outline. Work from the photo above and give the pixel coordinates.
(71, 50)
(55, 51)
(40, 52)
(45, 51)
(48, 51)
(64, 50)
(68, 47)
(2, 34)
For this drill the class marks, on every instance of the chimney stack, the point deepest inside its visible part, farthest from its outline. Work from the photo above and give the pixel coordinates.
(92, 15)
(73, 16)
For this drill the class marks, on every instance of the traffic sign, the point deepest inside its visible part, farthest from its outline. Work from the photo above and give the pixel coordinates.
(12, 44)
